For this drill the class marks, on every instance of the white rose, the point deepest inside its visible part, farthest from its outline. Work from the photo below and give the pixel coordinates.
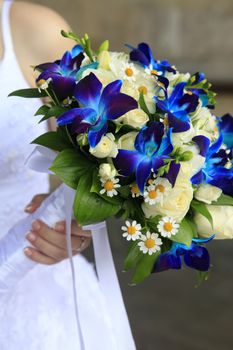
(176, 205)
(222, 222)
(127, 141)
(179, 138)
(196, 163)
(129, 89)
(136, 118)
(107, 171)
(104, 76)
(207, 193)
(105, 148)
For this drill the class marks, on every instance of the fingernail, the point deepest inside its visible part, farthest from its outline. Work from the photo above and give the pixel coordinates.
(27, 251)
(31, 236)
(36, 225)
(59, 227)
(28, 208)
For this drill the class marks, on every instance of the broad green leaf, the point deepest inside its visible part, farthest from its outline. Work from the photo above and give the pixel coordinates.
(29, 93)
(144, 267)
(96, 188)
(223, 200)
(201, 208)
(124, 191)
(133, 256)
(70, 165)
(42, 110)
(53, 140)
(185, 233)
(89, 208)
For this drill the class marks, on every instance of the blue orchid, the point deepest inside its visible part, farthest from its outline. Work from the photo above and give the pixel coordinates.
(144, 56)
(152, 147)
(196, 87)
(97, 108)
(178, 106)
(63, 72)
(196, 256)
(226, 128)
(214, 170)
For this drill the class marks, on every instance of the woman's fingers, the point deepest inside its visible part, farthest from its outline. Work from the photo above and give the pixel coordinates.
(38, 257)
(75, 229)
(35, 203)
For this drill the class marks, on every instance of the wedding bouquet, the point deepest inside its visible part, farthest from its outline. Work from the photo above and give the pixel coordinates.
(137, 139)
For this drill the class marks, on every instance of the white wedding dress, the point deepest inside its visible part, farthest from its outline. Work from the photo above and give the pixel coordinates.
(38, 312)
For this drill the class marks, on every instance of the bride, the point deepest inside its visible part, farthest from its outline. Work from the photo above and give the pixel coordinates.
(37, 312)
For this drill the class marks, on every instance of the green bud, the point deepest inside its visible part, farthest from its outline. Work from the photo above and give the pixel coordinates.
(82, 140)
(104, 46)
(186, 156)
(104, 60)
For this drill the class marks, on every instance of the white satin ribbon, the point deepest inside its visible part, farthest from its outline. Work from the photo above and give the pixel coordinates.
(40, 160)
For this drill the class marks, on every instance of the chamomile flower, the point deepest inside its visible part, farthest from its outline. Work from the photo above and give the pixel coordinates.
(128, 71)
(152, 195)
(135, 192)
(150, 243)
(168, 227)
(163, 186)
(43, 84)
(132, 231)
(109, 187)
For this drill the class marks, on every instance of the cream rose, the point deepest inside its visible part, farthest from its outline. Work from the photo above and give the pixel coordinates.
(136, 118)
(179, 138)
(104, 76)
(105, 148)
(176, 205)
(107, 171)
(207, 193)
(127, 141)
(222, 222)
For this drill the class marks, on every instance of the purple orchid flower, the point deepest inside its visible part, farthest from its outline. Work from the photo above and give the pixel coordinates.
(214, 171)
(63, 72)
(178, 106)
(196, 256)
(97, 108)
(152, 147)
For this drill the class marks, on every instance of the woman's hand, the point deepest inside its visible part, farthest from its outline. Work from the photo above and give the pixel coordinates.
(49, 244)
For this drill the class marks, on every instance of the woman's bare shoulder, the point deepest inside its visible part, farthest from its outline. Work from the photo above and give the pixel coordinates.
(40, 29)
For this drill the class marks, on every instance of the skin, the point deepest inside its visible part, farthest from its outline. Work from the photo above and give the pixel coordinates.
(36, 39)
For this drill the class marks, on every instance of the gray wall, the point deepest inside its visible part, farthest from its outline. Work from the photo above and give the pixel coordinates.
(167, 311)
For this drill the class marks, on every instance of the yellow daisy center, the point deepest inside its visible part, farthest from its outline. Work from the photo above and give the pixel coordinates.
(41, 82)
(143, 89)
(109, 185)
(135, 189)
(168, 226)
(131, 230)
(153, 72)
(150, 243)
(152, 194)
(129, 72)
(160, 187)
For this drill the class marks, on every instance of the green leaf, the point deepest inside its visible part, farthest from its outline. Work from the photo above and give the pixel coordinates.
(143, 105)
(202, 276)
(133, 256)
(54, 140)
(42, 110)
(29, 93)
(153, 222)
(54, 111)
(201, 208)
(124, 191)
(96, 188)
(185, 233)
(70, 166)
(223, 200)
(104, 46)
(89, 208)
(144, 267)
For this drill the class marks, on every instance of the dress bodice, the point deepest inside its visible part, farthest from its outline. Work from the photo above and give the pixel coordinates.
(18, 127)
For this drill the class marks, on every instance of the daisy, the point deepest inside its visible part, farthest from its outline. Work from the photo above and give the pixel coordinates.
(150, 243)
(163, 186)
(43, 84)
(128, 71)
(132, 231)
(168, 227)
(109, 187)
(151, 195)
(135, 192)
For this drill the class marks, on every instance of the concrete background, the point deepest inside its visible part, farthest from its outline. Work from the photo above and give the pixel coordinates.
(167, 311)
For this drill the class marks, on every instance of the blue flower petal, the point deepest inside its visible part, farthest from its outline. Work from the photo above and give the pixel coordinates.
(197, 258)
(118, 106)
(143, 172)
(127, 161)
(178, 125)
(167, 261)
(63, 86)
(173, 172)
(94, 136)
(203, 144)
(81, 114)
(216, 145)
(197, 178)
(226, 128)
(88, 91)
